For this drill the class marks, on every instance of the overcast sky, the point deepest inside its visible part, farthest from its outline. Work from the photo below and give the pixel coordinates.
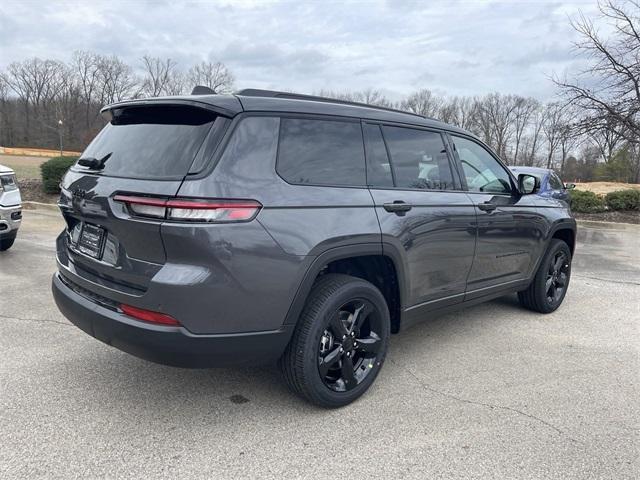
(397, 46)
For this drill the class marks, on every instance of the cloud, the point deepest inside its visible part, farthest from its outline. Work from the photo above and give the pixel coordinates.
(459, 47)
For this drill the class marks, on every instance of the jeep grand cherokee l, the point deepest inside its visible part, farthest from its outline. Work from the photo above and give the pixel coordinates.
(212, 230)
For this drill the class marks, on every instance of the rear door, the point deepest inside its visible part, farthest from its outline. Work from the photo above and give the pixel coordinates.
(143, 151)
(422, 211)
(510, 233)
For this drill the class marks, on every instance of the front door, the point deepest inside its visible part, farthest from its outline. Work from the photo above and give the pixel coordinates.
(423, 212)
(509, 227)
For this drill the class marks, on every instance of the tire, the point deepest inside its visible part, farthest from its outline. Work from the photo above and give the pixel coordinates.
(6, 244)
(549, 286)
(345, 323)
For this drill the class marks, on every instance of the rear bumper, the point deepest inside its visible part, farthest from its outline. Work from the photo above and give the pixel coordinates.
(174, 346)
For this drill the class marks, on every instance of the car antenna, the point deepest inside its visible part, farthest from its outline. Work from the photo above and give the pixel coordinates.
(202, 90)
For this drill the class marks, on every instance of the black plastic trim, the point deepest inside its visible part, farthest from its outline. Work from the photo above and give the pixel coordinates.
(174, 346)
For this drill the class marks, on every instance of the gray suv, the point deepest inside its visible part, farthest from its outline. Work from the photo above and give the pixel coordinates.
(10, 208)
(210, 230)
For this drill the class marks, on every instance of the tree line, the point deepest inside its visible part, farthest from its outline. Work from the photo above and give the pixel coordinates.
(591, 131)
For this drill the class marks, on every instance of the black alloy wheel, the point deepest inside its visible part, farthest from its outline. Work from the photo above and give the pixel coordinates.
(557, 277)
(549, 286)
(350, 345)
(340, 342)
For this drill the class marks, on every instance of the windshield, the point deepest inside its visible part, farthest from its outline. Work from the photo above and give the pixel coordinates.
(151, 142)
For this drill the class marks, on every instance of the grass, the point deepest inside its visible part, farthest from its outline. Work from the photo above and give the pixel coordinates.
(602, 188)
(25, 167)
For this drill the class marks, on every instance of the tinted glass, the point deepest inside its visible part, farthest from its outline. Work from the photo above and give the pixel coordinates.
(321, 152)
(151, 142)
(554, 182)
(378, 166)
(419, 159)
(482, 171)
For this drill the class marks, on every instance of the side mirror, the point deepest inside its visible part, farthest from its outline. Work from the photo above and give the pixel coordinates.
(570, 186)
(528, 184)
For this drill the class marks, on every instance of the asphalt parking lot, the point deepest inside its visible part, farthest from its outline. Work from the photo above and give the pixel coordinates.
(489, 392)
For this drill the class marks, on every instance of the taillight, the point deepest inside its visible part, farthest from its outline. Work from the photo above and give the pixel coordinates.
(149, 316)
(187, 210)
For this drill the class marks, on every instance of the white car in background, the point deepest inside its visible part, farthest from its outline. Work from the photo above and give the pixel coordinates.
(10, 208)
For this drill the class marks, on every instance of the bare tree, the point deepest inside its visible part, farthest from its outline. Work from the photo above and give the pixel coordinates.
(117, 81)
(157, 76)
(176, 84)
(610, 87)
(87, 70)
(532, 144)
(37, 83)
(423, 102)
(214, 75)
(552, 129)
(568, 141)
(459, 111)
(607, 139)
(371, 96)
(6, 126)
(495, 114)
(524, 109)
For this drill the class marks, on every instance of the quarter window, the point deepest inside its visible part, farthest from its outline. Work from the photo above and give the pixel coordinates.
(419, 159)
(321, 152)
(482, 171)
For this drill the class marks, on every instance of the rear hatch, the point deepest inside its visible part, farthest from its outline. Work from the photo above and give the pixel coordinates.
(145, 150)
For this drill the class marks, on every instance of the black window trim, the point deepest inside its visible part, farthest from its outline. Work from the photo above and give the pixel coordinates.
(463, 178)
(327, 118)
(455, 175)
(386, 149)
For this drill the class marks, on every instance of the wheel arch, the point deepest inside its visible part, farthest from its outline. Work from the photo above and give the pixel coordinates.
(366, 261)
(567, 235)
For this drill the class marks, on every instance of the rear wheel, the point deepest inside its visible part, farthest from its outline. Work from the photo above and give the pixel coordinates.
(549, 286)
(340, 342)
(6, 244)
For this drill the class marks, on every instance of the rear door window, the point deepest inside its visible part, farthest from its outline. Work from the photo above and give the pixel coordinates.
(419, 159)
(321, 152)
(150, 142)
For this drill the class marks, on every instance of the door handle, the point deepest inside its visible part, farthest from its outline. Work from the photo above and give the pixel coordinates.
(398, 206)
(487, 206)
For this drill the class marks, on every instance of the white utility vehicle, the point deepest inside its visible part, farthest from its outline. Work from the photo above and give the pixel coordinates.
(10, 208)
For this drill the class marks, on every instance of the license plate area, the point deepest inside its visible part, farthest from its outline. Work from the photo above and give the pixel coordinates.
(91, 240)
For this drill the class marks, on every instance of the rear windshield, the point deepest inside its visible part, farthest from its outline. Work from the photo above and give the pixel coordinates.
(157, 142)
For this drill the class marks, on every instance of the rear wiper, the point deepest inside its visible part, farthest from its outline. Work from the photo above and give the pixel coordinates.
(94, 163)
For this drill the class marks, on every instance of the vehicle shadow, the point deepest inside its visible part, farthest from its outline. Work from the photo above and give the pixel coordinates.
(131, 386)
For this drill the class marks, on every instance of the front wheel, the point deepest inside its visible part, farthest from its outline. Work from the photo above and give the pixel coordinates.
(340, 342)
(548, 288)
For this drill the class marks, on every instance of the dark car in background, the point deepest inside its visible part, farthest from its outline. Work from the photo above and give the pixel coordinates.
(211, 230)
(551, 186)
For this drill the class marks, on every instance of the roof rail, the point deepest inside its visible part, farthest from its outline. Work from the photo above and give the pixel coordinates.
(256, 92)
